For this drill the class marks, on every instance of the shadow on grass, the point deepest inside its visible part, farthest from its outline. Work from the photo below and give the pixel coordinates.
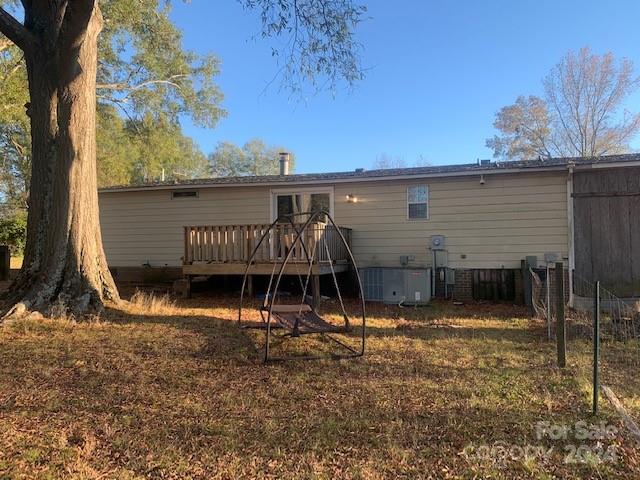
(440, 332)
(436, 309)
(180, 392)
(223, 338)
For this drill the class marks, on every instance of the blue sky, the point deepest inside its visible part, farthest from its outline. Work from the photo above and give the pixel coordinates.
(437, 73)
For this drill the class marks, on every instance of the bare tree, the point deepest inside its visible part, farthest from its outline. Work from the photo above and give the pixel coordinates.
(525, 129)
(582, 115)
(64, 261)
(585, 93)
(384, 161)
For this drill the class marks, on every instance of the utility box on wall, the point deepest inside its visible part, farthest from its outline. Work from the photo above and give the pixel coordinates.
(437, 242)
(409, 286)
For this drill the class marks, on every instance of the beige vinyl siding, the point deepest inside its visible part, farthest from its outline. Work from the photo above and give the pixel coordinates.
(146, 226)
(493, 225)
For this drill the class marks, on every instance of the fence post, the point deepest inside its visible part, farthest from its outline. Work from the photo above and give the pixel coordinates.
(5, 263)
(561, 333)
(596, 346)
(548, 301)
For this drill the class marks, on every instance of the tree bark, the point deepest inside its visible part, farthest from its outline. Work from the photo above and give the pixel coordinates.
(64, 263)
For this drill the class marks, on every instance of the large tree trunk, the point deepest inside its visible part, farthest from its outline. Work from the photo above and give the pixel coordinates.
(64, 263)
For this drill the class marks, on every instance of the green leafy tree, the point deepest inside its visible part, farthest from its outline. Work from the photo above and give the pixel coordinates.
(161, 147)
(15, 152)
(254, 158)
(137, 151)
(140, 66)
(15, 166)
(116, 151)
(13, 229)
(156, 85)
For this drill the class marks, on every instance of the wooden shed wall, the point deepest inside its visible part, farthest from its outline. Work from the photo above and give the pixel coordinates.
(607, 228)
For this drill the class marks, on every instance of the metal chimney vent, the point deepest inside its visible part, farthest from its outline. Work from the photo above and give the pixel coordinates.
(284, 163)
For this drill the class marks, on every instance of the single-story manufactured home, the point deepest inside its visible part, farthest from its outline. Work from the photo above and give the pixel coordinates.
(470, 223)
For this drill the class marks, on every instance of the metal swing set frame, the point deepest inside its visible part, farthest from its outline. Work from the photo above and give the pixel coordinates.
(303, 319)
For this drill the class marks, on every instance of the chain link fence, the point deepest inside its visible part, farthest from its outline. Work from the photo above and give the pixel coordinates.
(598, 325)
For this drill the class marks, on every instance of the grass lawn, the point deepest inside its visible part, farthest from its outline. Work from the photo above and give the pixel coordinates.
(163, 391)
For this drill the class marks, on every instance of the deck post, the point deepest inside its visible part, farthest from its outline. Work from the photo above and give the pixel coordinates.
(250, 286)
(315, 290)
(188, 292)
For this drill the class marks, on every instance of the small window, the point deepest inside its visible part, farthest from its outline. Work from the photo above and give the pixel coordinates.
(418, 202)
(185, 194)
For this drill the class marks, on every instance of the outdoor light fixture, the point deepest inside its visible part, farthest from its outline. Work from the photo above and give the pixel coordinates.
(351, 198)
(481, 179)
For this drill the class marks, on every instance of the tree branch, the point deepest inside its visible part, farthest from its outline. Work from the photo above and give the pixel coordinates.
(75, 22)
(133, 88)
(74, 19)
(13, 69)
(16, 32)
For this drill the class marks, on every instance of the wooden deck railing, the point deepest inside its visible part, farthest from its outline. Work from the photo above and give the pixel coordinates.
(235, 243)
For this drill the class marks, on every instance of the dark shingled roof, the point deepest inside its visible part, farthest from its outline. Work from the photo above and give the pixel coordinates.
(361, 174)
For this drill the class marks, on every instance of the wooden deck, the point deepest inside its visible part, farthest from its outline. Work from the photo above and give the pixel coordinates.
(226, 249)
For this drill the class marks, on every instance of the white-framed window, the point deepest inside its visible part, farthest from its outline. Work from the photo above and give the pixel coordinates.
(300, 200)
(418, 202)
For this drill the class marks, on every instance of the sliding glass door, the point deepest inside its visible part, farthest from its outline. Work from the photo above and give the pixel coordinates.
(304, 201)
(288, 202)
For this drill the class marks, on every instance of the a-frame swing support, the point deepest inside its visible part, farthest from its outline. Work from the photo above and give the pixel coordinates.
(303, 319)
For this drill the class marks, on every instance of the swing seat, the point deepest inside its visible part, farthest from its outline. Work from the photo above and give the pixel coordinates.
(302, 320)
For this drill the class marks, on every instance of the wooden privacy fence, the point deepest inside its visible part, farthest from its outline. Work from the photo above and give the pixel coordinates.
(235, 243)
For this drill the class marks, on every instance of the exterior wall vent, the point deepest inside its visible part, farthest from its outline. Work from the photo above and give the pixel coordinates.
(185, 194)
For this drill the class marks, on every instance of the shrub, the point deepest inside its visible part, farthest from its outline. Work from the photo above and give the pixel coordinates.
(13, 232)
